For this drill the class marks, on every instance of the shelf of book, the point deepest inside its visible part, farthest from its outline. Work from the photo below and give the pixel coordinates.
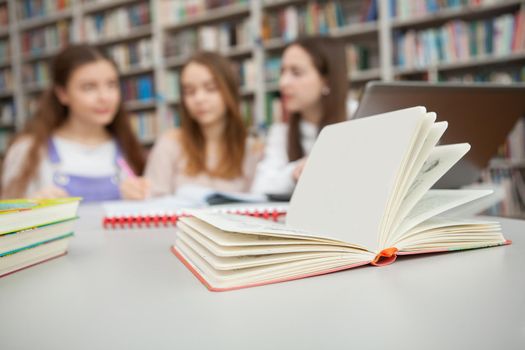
(239, 51)
(356, 30)
(34, 88)
(232, 53)
(214, 15)
(6, 94)
(5, 64)
(506, 163)
(476, 62)
(462, 12)
(47, 53)
(135, 71)
(6, 126)
(359, 29)
(132, 34)
(42, 21)
(364, 76)
(137, 105)
(90, 7)
(274, 4)
(347, 32)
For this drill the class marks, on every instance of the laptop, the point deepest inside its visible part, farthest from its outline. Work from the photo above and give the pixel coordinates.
(481, 114)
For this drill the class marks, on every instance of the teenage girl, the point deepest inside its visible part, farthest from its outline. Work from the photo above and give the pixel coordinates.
(210, 148)
(80, 137)
(314, 87)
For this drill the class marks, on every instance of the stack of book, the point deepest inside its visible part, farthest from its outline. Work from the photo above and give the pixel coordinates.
(34, 231)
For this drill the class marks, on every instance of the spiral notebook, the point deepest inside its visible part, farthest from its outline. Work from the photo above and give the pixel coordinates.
(166, 211)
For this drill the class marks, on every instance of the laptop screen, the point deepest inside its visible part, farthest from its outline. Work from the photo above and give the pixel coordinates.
(480, 114)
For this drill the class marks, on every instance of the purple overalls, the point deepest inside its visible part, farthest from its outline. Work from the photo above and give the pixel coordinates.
(90, 188)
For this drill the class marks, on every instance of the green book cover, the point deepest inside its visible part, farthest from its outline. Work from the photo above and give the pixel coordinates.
(10, 206)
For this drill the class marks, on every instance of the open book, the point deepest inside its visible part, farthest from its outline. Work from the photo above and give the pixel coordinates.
(364, 197)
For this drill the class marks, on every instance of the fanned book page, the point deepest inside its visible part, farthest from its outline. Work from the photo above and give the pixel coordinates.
(368, 205)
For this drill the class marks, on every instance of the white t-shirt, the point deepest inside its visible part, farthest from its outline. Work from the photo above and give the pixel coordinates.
(75, 159)
(274, 172)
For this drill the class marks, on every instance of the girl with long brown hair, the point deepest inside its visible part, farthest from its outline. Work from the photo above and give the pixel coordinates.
(314, 87)
(211, 148)
(79, 135)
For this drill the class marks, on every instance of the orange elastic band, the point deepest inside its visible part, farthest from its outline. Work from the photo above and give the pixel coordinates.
(385, 257)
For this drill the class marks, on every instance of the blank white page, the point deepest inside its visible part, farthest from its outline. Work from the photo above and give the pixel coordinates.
(350, 175)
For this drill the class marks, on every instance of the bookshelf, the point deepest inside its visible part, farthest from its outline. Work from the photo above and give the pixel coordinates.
(38, 29)
(151, 39)
(461, 38)
(7, 78)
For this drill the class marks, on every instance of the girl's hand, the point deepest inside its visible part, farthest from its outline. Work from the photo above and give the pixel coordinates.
(50, 192)
(299, 168)
(135, 188)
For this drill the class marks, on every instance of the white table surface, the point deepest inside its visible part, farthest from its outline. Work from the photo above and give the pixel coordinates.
(124, 289)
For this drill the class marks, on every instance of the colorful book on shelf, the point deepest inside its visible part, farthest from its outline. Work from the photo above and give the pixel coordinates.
(166, 211)
(366, 206)
(34, 231)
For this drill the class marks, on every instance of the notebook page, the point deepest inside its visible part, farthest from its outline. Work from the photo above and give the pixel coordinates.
(350, 176)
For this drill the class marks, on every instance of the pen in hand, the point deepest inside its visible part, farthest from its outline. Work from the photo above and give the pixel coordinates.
(132, 187)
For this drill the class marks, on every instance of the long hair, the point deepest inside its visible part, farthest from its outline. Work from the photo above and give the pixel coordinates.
(51, 114)
(232, 150)
(328, 57)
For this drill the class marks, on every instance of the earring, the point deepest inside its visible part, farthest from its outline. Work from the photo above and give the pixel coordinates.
(325, 90)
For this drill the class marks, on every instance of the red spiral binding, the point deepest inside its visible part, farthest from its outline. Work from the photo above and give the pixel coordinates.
(148, 221)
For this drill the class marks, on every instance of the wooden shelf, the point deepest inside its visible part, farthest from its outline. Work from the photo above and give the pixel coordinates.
(211, 16)
(274, 4)
(7, 126)
(136, 71)
(272, 87)
(469, 64)
(240, 51)
(41, 21)
(5, 64)
(6, 94)
(133, 34)
(365, 75)
(457, 12)
(43, 55)
(484, 61)
(4, 31)
(246, 92)
(34, 88)
(351, 31)
(500, 163)
(355, 30)
(137, 105)
(176, 61)
(173, 102)
(98, 6)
